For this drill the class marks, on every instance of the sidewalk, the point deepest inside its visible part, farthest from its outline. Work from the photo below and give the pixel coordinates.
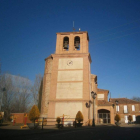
(130, 125)
(12, 131)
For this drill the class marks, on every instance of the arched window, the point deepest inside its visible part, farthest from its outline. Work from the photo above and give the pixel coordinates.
(77, 43)
(66, 43)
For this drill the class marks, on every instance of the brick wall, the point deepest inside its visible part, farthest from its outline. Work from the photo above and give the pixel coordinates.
(19, 117)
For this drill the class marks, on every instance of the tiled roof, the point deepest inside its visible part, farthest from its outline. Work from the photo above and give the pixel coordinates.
(123, 101)
(93, 75)
(48, 57)
(104, 103)
(102, 90)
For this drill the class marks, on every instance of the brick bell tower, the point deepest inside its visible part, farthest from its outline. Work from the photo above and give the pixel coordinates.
(66, 83)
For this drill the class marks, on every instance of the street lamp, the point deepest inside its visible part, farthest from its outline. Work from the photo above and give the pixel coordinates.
(117, 102)
(113, 105)
(93, 94)
(88, 106)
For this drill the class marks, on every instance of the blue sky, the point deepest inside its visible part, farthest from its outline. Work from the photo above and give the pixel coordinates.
(28, 35)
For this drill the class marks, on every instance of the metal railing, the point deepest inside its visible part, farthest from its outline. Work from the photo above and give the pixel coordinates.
(65, 122)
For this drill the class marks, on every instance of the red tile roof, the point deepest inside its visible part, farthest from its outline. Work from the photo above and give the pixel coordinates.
(124, 101)
(104, 103)
(102, 90)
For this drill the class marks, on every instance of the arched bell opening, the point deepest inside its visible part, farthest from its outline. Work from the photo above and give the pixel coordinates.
(77, 43)
(103, 116)
(66, 43)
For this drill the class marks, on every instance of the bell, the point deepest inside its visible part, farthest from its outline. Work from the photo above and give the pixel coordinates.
(65, 45)
(77, 45)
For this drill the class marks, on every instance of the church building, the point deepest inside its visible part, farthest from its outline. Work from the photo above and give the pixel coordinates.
(68, 82)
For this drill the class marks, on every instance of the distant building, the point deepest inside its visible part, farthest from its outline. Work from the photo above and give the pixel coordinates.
(68, 82)
(125, 108)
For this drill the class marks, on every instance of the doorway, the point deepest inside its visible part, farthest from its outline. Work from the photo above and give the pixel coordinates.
(126, 119)
(103, 116)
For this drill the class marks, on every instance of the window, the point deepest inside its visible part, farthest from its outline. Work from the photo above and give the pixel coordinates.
(100, 96)
(66, 43)
(77, 43)
(134, 118)
(133, 107)
(117, 108)
(126, 119)
(125, 109)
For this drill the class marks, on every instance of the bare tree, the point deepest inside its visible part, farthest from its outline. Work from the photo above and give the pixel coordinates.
(23, 98)
(1, 89)
(8, 94)
(35, 89)
(17, 94)
(136, 98)
(40, 95)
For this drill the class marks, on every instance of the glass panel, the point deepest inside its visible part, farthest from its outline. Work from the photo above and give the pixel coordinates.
(104, 115)
(134, 118)
(108, 115)
(104, 118)
(133, 107)
(104, 121)
(100, 115)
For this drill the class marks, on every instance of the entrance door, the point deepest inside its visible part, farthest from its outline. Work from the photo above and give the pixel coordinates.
(103, 116)
(126, 119)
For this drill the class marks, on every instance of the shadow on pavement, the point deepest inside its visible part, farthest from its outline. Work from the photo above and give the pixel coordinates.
(105, 131)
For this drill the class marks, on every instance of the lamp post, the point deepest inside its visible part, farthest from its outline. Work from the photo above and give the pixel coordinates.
(113, 105)
(93, 94)
(117, 102)
(88, 106)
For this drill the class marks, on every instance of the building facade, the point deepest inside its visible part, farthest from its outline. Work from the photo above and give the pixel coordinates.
(126, 107)
(68, 82)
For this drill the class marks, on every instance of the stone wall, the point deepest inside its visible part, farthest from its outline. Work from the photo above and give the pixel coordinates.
(46, 86)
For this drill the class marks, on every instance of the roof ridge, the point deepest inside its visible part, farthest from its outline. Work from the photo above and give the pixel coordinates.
(119, 98)
(102, 89)
(134, 100)
(124, 100)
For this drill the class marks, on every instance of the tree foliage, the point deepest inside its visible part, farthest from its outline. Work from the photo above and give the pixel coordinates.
(19, 94)
(130, 118)
(136, 98)
(58, 120)
(16, 94)
(34, 113)
(36, 89)
(79, 116)
(117, 118)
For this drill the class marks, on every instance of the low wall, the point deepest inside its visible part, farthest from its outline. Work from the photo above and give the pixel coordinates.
(20, 117)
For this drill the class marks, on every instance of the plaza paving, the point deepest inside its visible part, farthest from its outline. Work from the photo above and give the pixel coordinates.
(99, 132)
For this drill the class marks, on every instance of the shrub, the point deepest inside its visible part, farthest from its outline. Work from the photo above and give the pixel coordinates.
(130, 118)
(79, 116)
(58, 119)
(34, 113)
(117, 118)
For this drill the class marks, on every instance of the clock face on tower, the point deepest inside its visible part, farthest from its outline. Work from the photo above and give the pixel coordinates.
(69, 62)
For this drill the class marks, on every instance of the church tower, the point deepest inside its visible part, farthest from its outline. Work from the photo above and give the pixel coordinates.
(67, 77)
